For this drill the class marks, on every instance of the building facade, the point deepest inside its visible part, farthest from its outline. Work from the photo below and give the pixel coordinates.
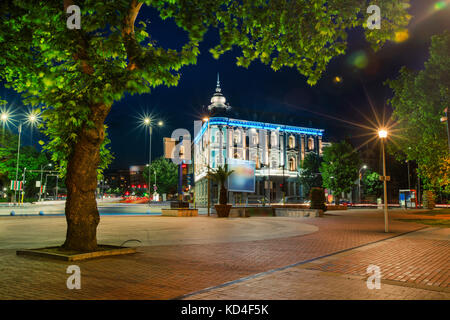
(277, 151)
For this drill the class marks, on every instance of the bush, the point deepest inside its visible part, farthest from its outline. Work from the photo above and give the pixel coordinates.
(318, 199)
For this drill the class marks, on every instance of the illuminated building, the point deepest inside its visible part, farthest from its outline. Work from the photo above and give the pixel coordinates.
(276, 149)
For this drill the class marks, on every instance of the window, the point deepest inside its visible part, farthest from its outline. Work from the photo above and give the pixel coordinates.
(254, 139)
(292, 166)
(310, 143)
(218, 136)
(291, 142)
(237, 136)
(273, 139)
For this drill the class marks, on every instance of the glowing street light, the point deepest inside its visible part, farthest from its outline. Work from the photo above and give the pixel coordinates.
(148, 123)
(4, 117)
(382, 133)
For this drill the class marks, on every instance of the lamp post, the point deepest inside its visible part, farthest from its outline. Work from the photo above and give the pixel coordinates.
(42, 186)
(359, 182)
(17, 163)
(148, 122)
(382, 134)
(445, 119)
(206, 119)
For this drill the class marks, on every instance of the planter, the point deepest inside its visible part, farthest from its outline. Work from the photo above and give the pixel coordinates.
(223, 210)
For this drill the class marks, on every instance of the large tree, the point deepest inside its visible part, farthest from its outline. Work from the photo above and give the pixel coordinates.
(419, 100)
(340, 168)
(77, 74)
(309, 173)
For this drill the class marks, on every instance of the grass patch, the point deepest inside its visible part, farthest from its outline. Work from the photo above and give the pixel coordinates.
(443, 223)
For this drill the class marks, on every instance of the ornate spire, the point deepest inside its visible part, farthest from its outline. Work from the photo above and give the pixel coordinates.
(218, 84)
(218, 101)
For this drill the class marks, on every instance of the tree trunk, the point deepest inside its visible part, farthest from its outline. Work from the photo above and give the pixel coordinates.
(223, 198)
(81, 180)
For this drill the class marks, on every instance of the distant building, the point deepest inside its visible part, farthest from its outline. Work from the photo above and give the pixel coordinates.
(276, 149)
(137, 175)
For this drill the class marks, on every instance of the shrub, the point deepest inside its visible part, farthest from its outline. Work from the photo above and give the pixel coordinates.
(318, 199)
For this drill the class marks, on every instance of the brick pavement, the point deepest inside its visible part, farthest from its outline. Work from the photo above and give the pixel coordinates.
(164, 272)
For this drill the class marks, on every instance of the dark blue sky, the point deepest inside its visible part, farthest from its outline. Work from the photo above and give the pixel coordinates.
(259, 93)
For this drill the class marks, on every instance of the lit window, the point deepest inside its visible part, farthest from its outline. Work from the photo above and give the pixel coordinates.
(291, 142)
(310, 143)
(273, 139)
(237, 136)
(292, 164)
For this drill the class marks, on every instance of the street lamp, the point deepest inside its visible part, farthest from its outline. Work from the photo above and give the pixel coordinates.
(42, 186)
(445, 119)
(382, 134)
(148, 122)
(206, 119)
(359, 182)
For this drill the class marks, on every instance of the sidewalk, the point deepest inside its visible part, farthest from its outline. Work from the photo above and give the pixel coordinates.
(413, 266)
(171, 270)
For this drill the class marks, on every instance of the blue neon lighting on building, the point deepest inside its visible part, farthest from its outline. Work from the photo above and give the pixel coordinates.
(257, 125)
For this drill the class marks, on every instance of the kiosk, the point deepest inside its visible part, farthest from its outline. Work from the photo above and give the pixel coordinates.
(407, 198)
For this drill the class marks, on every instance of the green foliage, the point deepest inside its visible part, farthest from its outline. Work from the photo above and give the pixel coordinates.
(372, 183)
(339, 168)
(220, 175)
(29, 158)
(318, 199)
(75, 73)
(310, 172)
(418, 102)
(166, 175)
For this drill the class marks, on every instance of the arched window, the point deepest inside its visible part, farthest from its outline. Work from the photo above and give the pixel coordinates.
(292, 164)
(273, 139)
(310, 143)
(291, 142)
(254, 138)
(218, 136)
(237, 136)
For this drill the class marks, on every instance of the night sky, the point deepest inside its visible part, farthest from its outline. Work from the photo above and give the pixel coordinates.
(259, 93)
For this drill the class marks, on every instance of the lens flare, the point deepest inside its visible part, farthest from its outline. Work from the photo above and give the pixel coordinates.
(358, 59)
(401, 36)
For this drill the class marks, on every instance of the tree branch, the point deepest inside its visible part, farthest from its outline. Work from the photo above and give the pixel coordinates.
(81, 55)
(128, 33)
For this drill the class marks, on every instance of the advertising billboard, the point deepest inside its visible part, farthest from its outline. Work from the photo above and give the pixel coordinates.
(243, 177)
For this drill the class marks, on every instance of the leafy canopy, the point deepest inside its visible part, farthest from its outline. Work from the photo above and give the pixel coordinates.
(419, 101)
(30, 158)
(372, 183)
(73, 72)
(310, 175)
(166, 175)
(340, 167)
